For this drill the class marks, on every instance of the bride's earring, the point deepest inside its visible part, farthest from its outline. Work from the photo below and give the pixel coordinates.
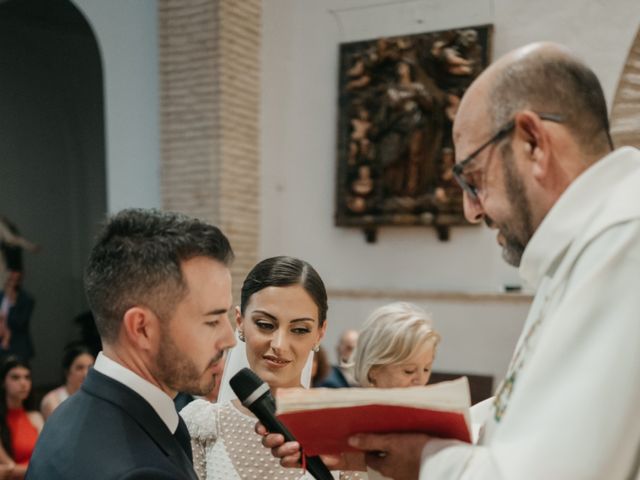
(316, 349)
(241, 336)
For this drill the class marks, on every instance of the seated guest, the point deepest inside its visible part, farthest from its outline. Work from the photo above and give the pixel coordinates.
(76, 361)
(396, 347)
(340, 375)
(16, 307)
(281, 320)
(19, 428)
(11, 246)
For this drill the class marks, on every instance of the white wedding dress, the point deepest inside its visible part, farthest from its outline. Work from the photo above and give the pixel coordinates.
(224, 442)
(226, 447)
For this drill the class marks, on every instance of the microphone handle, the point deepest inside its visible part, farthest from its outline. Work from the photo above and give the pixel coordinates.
(315, 465)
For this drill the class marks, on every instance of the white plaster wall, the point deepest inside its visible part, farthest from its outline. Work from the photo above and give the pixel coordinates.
(299, 112)
(127, 35)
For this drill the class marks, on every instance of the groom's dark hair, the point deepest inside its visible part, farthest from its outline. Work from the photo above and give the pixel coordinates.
(137, 261)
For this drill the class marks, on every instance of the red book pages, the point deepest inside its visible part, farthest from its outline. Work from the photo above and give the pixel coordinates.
(325, 431)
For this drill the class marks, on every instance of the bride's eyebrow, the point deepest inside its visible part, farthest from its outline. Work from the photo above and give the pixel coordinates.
(303, 319)
(266, 314)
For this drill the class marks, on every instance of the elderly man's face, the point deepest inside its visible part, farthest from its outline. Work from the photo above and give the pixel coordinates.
(516, 230)
(347, 345)
(501, 194)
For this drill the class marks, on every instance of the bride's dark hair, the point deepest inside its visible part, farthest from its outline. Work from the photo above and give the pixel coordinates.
(283, 272)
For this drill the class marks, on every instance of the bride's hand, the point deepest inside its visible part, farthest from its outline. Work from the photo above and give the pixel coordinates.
(289, 453)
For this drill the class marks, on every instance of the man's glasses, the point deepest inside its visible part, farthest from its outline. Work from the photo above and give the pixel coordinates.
(458, 169)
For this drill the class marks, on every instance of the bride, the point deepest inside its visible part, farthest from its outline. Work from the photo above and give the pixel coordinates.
(281, 320)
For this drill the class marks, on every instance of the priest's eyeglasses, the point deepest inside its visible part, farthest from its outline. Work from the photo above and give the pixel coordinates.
(458, 169)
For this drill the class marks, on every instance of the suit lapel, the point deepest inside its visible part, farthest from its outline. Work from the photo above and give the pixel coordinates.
(140, 412)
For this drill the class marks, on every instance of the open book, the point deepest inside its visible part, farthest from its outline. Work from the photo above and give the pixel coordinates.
(322, 419)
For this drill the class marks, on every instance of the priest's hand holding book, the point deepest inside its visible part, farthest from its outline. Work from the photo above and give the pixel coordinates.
(383, 429)
(393, 455)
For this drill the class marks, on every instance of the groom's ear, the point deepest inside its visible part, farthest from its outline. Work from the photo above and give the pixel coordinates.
(140, 327)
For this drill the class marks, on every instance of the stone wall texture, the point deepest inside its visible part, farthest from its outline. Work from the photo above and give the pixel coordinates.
(210, 98)
(625, 113)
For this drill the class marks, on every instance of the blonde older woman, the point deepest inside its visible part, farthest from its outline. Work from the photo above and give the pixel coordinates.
(396, 347)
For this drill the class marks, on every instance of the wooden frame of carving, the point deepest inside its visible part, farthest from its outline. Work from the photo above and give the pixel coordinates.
(397, 100)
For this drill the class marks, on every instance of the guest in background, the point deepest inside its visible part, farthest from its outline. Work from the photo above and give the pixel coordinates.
(76, 361)
(396, 347)
(19, 428)
(11, 246)
(340, 375)
(320, 368)
(89, 334)
(16, 307)
(182, 399)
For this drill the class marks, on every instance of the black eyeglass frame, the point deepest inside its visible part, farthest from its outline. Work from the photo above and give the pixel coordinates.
(458, 168)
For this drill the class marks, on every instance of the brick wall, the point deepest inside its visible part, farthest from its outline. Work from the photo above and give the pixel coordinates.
(210, 86)
(625, 113)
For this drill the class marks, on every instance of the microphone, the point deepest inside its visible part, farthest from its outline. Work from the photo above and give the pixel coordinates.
(256, 396)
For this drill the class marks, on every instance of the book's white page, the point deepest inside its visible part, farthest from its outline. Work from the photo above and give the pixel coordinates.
(446, 396)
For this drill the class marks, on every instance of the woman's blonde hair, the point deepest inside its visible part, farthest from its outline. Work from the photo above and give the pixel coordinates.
(390, 335)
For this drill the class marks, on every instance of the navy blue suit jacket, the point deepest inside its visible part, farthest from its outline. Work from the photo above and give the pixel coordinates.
(335, 379)
(106, 431)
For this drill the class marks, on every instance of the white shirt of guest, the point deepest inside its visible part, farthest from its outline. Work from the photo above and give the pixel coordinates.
(159, 401)
(569, 407)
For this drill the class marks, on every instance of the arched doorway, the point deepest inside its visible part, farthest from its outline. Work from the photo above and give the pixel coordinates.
(52, 158)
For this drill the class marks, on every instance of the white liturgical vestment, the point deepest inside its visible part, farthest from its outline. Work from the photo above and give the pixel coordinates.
(569, 406)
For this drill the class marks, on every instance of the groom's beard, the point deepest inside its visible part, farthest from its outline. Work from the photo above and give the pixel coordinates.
(180, 373)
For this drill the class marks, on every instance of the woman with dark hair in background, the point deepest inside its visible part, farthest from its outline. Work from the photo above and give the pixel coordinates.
(19, 428)
(76, 361)
(281, 320)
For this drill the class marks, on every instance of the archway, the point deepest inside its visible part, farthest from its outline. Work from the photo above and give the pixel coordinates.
(52, 158)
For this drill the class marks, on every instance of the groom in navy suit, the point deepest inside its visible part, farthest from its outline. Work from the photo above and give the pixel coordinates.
(160, 288)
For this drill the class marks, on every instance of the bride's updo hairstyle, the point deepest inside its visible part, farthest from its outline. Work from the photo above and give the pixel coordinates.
(283, 272)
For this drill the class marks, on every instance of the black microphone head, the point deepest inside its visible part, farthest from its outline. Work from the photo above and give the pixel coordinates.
(244, 383)
(256, 396)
